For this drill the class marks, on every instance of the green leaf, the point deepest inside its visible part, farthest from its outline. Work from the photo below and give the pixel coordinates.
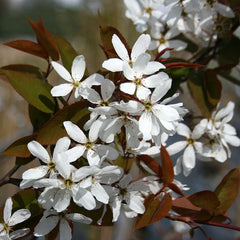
(28, 47)
(198, 92)
(227, 190)
(155, 210)
(78, 113)
(45, 38)
(19, 147)
(213, 87)
(167, 166)
(28, 82)
(67, 52)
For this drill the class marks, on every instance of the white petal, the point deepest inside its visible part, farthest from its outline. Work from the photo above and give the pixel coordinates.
(92, 157)
(136, 203)
(90, 94)
(99, 192)
(113, 64)
(75, 132)
(61, 90)
(120, 48)
(35, 173)
(85, 171)
(141, 62)
(155, 80)
(164, 112)
(46, 225)
(61, 145)
(223, 10)
(65, 230)
(173, 32)
(47, 182)
(38, 151)
(84, 198)
(161, 90)
(189, 158)
(224, 112)
(19, 233)
(183, 130)
(176, 147)
(128, 72)
(19, 216)
(62, 200)
(46, 198)
(232, 140)
(153, 67)
(77, 217)
(78, 68)
(107, 89)
(140, 46)
(178, 45)
(7, 210)
(142, 92)
(74, 153)
(128, 87)
(145, 125)
(116, 206)
(62, 71)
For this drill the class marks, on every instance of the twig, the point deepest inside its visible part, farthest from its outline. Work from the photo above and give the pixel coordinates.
(6, 178)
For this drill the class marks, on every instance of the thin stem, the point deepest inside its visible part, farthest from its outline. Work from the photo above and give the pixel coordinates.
(6, 178)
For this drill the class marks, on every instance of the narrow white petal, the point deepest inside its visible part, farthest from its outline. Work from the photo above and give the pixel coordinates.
(164, 112)
(153, 67)
(7, 210)
(145, 125)
(19, 216)
(183, 130)
(140, 46)
(62, 200)
(46, 225)
(120, 48)
(107, 89)
(223, 10)
(38, 151)
(64, 168)
(62, 71)
(116, 206)
(176, 147)
(113, 64)
(136, 203)
(142, 92)
(75, 132)
(141, 62)
(19, 233)
(61, 146)
(224, 112)
(128, 87)
(161, 90)
(65, 230)
(46, 198)
(177, 45)
(77, 217)
(35, 173)
(93, 157)
(189, 158)
(74, 153)
(99, 192)
(85, 171)
(78, 68)
(61, 90)
(128, 72)
(84, 198)
(232, 140)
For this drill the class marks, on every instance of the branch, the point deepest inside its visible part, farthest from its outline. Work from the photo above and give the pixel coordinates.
(6, 178)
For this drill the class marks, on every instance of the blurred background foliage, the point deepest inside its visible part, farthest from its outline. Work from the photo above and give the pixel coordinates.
(78, 22)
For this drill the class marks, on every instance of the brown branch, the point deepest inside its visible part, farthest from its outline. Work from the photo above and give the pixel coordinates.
(6, 178)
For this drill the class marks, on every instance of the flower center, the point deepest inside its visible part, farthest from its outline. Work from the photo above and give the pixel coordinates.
(190, 141)
(104, 104)
(210, 2)
(130, 63)
(212, 142)
(148, 106)
(68, 182)
(138, 81)
(162, 40)
(89, 145)
(76, 84)
(6, 228)
(51, 165)
(148, 10)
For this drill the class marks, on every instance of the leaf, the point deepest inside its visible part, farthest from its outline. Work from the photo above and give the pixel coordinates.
(23, 161)
(78, 113)
(19, 147)
(151, 163)
(67, 52)
(204, 199)
(28, 47)
(155, 210)
(175, 188)
(45, 38)
(27, 81)
(213, 87)
(124, 162)
(230, 78)
(182, 65)
(198, 92)
(227, 190)
(167, 166)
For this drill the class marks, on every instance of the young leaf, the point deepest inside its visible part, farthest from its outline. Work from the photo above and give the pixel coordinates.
(19, 147)
(78, 113)
(155, 210)
(28, 47)
(227, 190)
(45, 39)
(167, 166)
(67, 52)
(28, 82)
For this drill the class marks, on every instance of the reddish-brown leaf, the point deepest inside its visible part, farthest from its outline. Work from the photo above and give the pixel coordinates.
(155, 210)
(19, 147)
(182, 65)
(45, 39)
(28, 47)
(175, 188)
(167, 166)
(151, 163)
(227, 190)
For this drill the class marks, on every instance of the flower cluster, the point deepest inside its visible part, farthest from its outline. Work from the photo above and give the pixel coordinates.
(209, 139)
(199, 20)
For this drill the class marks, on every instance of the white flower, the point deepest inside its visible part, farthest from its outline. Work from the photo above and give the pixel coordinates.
(92, 150)
(59, 191)
(51, 219)
(140, 47)
(40, 152)
(10, 220)
(73, 79)
(191, 146)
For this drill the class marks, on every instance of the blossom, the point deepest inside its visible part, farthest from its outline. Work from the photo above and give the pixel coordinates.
(41, 153)
(190, 145)
(139, 48)
(10, 220)
(73, 79)
(50, 220)
(92, 150)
